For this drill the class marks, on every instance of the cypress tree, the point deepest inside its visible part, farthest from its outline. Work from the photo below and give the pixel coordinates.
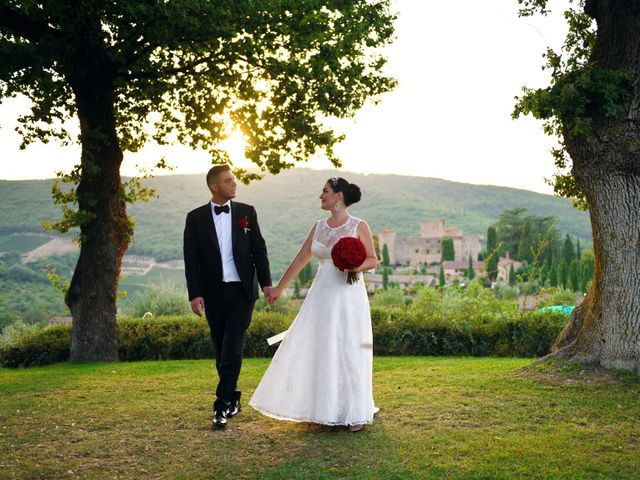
(385, 278)
(574, 277)
(553, 274)
(309, 272)
(492, 239)
(547, 256)
(302, 276)
(493, 257)
(385, 255)
(564, 273)
(448, 252)
(441, 279)
(306, 274)
(586, 275)
(587, 270)
(543, 274)
(525, 243)
(568, 253)
(470, 272)
(512, 276)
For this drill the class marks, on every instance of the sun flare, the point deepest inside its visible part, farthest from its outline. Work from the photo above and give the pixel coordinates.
(235, 145)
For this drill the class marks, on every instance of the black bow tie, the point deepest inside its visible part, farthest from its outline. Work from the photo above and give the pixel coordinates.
(219, 210)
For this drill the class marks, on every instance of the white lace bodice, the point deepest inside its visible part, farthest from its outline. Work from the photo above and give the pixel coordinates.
(325, 237)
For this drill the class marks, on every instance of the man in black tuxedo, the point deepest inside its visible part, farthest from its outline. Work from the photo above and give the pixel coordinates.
(225, 258)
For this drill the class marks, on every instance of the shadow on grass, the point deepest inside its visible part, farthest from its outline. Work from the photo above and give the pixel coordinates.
(459, 418)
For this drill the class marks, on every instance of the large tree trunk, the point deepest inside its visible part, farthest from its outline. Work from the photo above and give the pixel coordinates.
(605, 329)
(105, 233)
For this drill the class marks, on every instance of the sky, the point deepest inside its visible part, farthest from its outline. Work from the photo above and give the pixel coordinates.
(459, 66)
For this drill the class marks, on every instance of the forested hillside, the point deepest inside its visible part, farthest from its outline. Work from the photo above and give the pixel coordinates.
(288, 204)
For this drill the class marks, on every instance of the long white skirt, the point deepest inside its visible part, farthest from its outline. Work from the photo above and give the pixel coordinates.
(322, 370)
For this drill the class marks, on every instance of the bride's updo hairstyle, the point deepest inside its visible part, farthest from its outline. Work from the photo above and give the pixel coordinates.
(350, 191)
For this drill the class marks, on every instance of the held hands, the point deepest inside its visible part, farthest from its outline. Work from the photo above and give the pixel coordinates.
(197, 306)
(272, 294)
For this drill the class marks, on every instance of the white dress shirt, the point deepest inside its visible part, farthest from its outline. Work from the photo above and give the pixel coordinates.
(223, 225)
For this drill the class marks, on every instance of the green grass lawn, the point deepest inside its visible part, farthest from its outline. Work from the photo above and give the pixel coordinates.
(461, 418)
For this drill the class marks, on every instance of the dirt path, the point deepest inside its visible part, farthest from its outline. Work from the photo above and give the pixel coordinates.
(56, 245)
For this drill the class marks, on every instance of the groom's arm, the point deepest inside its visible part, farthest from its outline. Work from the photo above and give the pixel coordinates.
(259, 252)
(192, 258)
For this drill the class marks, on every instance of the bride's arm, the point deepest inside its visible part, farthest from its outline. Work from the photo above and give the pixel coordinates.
(297, 264)
(364, 234)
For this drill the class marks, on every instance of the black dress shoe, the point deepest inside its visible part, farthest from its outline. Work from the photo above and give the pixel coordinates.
(220, 419)
(234, 407)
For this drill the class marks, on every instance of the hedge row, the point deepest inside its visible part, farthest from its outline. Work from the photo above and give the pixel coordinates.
(396, 332)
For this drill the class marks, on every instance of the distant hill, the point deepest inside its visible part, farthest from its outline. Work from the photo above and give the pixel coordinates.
(288, 204)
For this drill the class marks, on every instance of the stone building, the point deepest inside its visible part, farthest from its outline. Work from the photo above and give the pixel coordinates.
(504, 265)
(426, 249)
(458, 268)
(374, 281)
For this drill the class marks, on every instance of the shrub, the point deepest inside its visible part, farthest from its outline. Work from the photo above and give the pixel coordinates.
(265, 325)
(433, 330)
(507, 292)
(161, 300)
(527, 334)
(475, 305)
(163, 338)
(557, 296)
(36, 347)
(160, 338)
(15, 331)
(285, 305)
(391, 297)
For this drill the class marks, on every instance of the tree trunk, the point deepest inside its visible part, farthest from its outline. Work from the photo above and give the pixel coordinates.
(106, 231)
(605, 329)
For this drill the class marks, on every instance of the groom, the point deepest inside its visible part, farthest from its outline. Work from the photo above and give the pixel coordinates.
(225, 257)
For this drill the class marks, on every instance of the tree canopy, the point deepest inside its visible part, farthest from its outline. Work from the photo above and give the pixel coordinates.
(581, 91)
(190, 72)
(178, 71)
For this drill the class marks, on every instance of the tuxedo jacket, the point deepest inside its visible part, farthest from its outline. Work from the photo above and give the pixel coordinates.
(202, 259)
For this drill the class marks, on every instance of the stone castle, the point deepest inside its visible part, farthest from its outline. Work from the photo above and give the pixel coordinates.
(427, 248)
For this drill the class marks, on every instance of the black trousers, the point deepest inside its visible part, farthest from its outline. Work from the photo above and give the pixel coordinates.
(228, 315)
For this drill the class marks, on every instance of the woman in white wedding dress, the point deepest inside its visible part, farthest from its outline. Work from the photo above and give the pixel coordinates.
(322, 370)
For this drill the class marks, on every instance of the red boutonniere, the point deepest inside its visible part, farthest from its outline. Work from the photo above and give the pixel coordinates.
(244, 224)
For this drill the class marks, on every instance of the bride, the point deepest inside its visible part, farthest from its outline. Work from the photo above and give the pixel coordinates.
(322, 371)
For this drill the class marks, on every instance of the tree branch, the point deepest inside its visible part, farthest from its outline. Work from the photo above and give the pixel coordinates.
(16, 57)
(152, 75)
(24, 26)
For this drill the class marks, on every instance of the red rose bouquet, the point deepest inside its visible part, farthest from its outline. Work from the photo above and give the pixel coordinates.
(347, 254)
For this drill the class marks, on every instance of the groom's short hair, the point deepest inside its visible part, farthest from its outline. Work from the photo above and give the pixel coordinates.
(215, 171)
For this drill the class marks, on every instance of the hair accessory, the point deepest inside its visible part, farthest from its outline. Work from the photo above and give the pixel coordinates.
(334, 181)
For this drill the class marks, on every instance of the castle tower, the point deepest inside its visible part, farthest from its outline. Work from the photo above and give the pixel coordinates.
(471, 245)
(433, 229)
